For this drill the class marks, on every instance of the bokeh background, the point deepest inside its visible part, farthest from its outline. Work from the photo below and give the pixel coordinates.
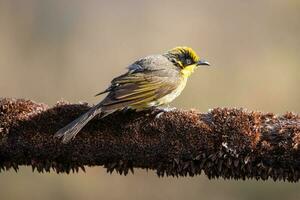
(62, 49)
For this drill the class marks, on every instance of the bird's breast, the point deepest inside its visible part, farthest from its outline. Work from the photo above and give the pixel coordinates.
(171, 96)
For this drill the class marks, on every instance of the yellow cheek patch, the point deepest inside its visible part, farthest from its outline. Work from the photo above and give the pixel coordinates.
(180, 63)
(187, 71)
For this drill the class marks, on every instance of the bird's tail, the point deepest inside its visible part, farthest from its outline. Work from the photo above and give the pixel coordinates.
(69, 132)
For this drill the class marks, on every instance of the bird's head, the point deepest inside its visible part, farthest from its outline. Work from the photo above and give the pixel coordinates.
(185, 58)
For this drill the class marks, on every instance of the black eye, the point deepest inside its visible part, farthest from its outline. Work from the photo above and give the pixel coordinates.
(188, 61)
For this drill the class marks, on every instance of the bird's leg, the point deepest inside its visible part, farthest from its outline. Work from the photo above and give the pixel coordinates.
(162, 110)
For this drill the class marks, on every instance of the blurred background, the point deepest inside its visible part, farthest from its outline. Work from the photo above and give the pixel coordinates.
(61, 49)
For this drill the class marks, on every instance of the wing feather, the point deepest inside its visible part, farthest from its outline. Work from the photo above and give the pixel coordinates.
(134, 89)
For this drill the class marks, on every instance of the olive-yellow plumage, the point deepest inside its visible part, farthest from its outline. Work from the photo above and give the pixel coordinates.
(149, 82)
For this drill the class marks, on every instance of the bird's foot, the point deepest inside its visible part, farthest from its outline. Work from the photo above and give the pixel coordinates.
(162, 110)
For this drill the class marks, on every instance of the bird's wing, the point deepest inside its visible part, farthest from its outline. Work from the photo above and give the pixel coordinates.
(136, 88)
(156, 65)
(132, 69)
(135, 67)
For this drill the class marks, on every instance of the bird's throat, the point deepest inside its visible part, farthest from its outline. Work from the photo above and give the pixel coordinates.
(187, 71)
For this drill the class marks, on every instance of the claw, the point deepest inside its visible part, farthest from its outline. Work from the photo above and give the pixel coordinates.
(162, 110)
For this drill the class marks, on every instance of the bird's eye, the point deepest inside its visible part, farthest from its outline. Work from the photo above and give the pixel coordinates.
(188, 61)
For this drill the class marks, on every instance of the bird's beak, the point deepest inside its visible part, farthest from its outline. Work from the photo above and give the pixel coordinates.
(202, 62)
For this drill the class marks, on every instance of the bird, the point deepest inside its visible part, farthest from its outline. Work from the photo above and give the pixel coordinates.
(149, 82)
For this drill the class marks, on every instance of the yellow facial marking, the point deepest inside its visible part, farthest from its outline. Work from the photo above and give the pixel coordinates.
(179, 63)
(187, 71)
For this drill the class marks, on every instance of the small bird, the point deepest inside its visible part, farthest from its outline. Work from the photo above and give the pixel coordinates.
(150, 82)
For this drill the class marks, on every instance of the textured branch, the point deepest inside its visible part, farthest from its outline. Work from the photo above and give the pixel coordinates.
(228, 143)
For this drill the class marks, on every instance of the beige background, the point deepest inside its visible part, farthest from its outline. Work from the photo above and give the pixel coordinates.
(54, 49)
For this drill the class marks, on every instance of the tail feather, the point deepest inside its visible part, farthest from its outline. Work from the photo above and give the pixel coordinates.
(69, 132)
